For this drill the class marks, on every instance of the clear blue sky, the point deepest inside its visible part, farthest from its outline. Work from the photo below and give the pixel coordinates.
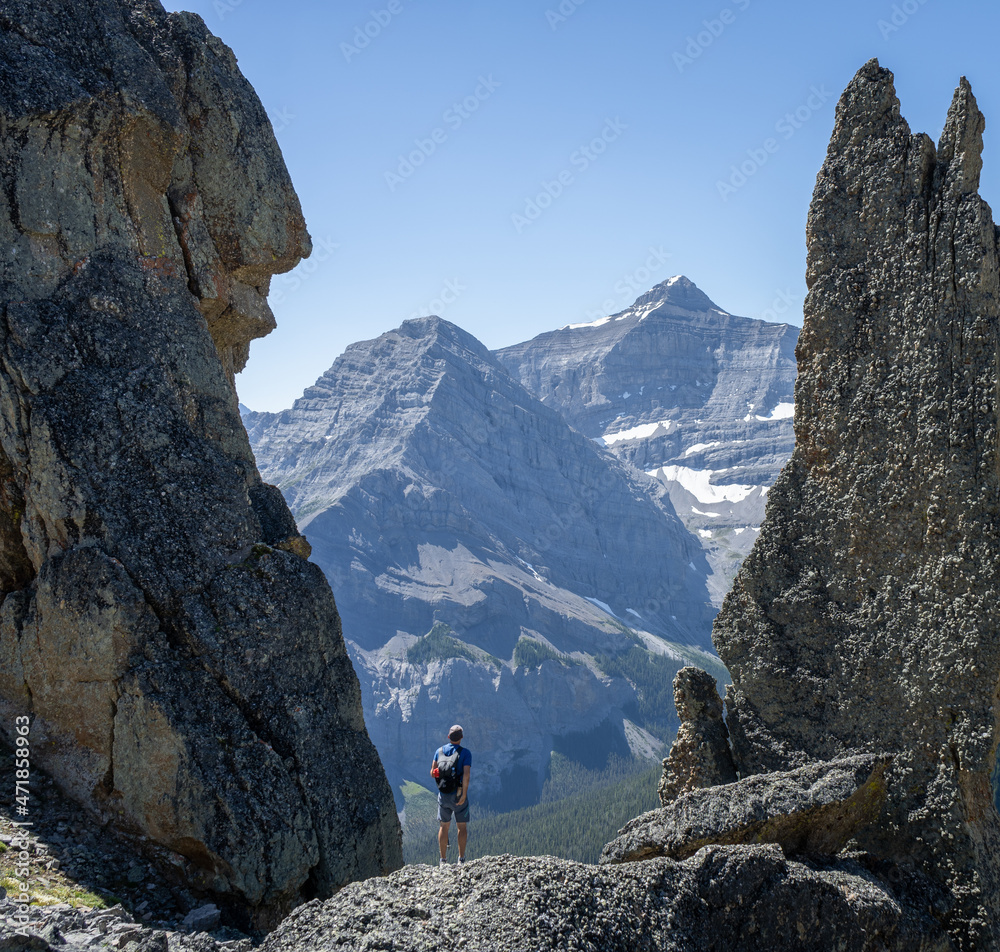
(505, 97)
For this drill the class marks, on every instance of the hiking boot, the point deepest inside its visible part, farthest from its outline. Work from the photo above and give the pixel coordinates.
(461, 861)
(444, 862)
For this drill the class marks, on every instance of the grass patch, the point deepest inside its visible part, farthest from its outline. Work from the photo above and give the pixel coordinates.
(50, 894)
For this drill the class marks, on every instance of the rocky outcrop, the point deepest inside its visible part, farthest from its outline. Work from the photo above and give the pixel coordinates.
(867, 615)
(724, 899)
(182, 665)
(700, 755)
(674, 385)
(502, 567)
(815, 809)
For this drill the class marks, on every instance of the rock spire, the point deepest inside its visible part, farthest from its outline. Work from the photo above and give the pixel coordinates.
(867, 617)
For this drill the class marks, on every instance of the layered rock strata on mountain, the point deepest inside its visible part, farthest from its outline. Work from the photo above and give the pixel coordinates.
(696, 397)
(700, 755)
(182, 665)
(724, 899)
(486, 558)
(815, 809)
(868, 614)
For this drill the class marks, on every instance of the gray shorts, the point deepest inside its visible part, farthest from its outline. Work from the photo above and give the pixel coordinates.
(446, 807)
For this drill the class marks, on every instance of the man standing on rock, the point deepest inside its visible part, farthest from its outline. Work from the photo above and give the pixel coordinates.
(450, 769)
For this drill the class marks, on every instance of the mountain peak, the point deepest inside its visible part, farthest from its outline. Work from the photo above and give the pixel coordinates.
(437, 328)
(679, 291)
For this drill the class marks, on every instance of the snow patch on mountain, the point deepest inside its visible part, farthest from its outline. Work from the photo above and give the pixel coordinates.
(699, 483)
(698, 447)
(783, 411)
(604, 606)
(641, 432)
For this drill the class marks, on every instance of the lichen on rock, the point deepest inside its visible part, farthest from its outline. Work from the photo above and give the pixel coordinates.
(182, 663)
(815, 809)
(724, 898)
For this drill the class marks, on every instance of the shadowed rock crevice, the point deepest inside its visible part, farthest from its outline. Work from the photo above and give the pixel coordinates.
(16, 570)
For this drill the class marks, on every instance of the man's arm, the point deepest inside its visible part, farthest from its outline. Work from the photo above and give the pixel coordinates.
(434, 764)
(465, 786)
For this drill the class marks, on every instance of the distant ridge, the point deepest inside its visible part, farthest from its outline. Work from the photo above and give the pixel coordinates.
(696, 397)
(440, 496)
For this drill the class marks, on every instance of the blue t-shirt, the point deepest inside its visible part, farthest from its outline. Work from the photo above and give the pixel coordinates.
(464, 758)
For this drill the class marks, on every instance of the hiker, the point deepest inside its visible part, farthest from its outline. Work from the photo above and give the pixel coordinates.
(450, 769)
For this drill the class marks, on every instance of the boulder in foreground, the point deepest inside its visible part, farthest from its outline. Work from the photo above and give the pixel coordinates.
(815, 809)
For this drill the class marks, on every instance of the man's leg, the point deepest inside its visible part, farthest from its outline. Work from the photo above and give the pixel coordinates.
(463, 838)
(443, 839)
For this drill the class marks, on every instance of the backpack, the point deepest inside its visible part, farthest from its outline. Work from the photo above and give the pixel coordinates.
(448, 778)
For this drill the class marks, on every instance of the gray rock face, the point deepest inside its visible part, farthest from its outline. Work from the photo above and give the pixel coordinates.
(867, 614)
(696, 397)
(729, 899)
(65, 928)
(182, 666)
(456, 499)
(700, 755)
(815, 809)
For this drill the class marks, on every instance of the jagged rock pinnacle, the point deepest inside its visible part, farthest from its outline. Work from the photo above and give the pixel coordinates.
(866, 617)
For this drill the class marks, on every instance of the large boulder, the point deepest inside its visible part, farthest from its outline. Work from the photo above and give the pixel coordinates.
(724, 899)
(815, 809)
(868, 614)
(181, 662)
